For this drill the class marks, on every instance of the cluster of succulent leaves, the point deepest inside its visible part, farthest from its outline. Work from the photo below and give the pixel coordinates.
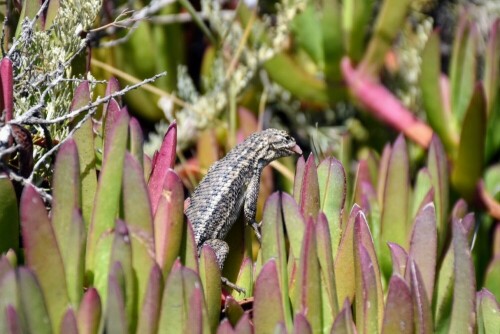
(116, 254)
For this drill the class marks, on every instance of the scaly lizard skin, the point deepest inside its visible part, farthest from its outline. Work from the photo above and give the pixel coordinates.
(231, 183)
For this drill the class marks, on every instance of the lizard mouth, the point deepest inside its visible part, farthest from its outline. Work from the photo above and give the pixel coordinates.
(296, 149)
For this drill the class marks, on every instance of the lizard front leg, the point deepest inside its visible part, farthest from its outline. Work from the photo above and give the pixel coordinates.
(251, 197)
(221, 249)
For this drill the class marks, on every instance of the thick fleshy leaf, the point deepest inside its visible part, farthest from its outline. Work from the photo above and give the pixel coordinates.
(332, 190)
(164, 161)
(188, 250)
(121, 253)
(435, 103)
(42, 253)
(13, 323)
(107, 200)
(488, 312)
(344, 324)
(491, 89)
(112, 113)
(69, 324)
(136, 140)
(66, 220)
(89, 312)
(299, 177)
(437, 165)
(301, 325)
(169, 221)
(84, 139)
(116, 314)
(7, 83)
(366, 292)
(196, 314)
(344, 263)
(395, 227)
(245, 279)
(382, 172)
(421, 305)
(371, 287)
(326, 264)
(225, 327)
(8, 297)
(175, 302)
(139, 220)
(398, 313)
(399, 259)
(390, 18)
(294, 222)
(443, 296)
(492, 280)
(33, 305)
(468, 166)
(244, 326)
(211, 281)
(150, 311)
(464, 292)
(423, 193)
(273, 246)
(233, 310)
(309, 193)
(9, 216)
(423, 246)
(463, 67)
(308, 287)
(268, 308)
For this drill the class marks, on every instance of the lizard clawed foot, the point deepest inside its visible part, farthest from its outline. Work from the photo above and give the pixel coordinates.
(255, 227)
(233, 286)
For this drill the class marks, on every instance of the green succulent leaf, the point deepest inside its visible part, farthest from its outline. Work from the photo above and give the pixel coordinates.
(395, 227)
(299, 177)
(344, 324)
(464, 292)
(344, 262)
(268, 301)
(136, 141)
(468, 166)
(9, 216)
(421, 305)
(332, 190)
(84, 139)
(399, 259)
(434, 97)
(9, 298)
(488, 312)
(234, 311)
(309, 192)
(493, 276)
(294, 223)
(211, 281)
(116, 315)
(245, 279)
(463, 68)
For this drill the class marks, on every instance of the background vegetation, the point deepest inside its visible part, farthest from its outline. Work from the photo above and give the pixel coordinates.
(389, 225)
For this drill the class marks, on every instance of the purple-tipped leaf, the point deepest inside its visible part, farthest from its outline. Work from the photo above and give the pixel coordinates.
(488, 312)
(421, 305)
(13, 324)
(294, 222)
(136, 140)
(42, 253)
(399, 259)
(7, 82)
(299, 176)
(150, 310)
(8, 297)
(423, 246)
(33, 304)
(343, 323)
(89, 312)
(398, 312)
(164, 161)
(309, 192)
(244, 326)
(168, 222)
(69, 324)
(301, 325)
(308, 287)
(116, 314)
(112, 113)
(367, 300)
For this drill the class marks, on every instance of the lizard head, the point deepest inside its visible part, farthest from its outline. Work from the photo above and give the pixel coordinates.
(280, 144)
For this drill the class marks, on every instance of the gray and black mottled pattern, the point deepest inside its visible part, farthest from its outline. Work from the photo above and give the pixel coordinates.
(231, 183)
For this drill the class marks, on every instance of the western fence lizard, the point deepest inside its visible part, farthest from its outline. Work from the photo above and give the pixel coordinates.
(231, 183)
